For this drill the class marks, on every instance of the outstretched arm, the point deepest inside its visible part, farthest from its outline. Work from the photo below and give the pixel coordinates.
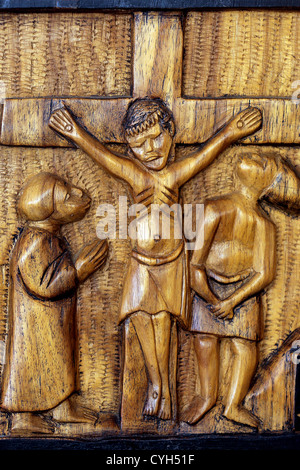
(120, 167)
(243, 124)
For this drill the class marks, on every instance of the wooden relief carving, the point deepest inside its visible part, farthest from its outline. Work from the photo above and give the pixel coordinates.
(40, 370)
(149, 222)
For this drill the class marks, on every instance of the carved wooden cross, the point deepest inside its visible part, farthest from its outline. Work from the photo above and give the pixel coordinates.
(157, 72)
(157, 63)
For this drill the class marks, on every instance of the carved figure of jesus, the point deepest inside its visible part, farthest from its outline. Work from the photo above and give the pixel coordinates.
(155, 289)
(236, 262)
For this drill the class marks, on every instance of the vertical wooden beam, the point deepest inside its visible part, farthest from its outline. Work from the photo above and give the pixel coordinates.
(158, 48)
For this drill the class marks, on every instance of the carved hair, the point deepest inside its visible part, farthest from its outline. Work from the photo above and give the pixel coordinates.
(284, 190)
(144, 113)
(282, 185)
(36, 199)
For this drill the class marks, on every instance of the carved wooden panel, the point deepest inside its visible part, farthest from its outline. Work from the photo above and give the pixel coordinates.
(146, 334)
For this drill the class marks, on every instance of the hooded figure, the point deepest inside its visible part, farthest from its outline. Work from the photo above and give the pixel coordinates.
(41, 359)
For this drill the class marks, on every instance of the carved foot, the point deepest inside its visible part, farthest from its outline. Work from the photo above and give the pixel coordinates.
(245, 123)
(27, 424)
(153, 400)
(81, 415)
(75, 410)
(165, 406)
(196, 410)
(241, 415)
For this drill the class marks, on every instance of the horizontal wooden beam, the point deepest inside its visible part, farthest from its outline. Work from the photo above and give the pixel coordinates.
(25, 121)
(198, 120)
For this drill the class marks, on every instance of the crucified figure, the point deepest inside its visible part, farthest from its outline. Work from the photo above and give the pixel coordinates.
(155, 287)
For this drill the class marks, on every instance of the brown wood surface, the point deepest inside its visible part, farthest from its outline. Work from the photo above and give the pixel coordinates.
(207, 67)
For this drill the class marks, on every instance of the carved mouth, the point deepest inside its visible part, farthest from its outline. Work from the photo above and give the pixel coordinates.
(153, 157)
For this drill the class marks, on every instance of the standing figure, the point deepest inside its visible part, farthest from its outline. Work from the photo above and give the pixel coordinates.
(155, 289)
(229, 272)
(40, 371)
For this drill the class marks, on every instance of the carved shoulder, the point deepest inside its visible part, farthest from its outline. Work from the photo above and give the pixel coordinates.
(219, 207)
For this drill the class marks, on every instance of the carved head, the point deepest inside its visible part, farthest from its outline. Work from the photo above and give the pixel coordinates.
(149, 130)
(46, 196)
(272, 180)
(256, 172)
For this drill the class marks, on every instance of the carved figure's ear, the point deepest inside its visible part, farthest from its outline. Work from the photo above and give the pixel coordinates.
(172, 128)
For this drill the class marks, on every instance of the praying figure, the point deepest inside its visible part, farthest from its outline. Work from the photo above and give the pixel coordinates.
(155, 290)
(41, 367)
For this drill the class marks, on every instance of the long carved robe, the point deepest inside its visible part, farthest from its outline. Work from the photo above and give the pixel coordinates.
(40, 368)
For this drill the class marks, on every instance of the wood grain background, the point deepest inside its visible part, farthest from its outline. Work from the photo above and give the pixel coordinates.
(241, 53)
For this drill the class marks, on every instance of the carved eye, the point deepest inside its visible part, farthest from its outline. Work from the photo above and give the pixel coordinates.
(137, 145)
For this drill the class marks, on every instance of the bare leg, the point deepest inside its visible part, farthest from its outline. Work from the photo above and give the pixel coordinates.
(207, 353)
(243, 368)
(145, 331)
(162, 331)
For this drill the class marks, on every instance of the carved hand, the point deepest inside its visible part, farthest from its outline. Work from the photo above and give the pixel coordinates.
(223, 309)
(245, 123)
(90, 258)
(62, 122)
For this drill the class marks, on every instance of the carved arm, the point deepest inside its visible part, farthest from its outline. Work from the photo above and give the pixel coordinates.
(47, 282)
(243, 124)
(119, 166)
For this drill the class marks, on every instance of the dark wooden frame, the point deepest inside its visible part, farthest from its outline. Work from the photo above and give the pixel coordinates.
(162, 445)
(149, 445)
(144, 4)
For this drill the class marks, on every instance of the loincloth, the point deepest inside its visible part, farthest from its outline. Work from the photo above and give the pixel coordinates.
(154, 285)
(246, 322)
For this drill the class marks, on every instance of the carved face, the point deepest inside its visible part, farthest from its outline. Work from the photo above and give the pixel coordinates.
(70, 203)
(254, 171)
(152, 147)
